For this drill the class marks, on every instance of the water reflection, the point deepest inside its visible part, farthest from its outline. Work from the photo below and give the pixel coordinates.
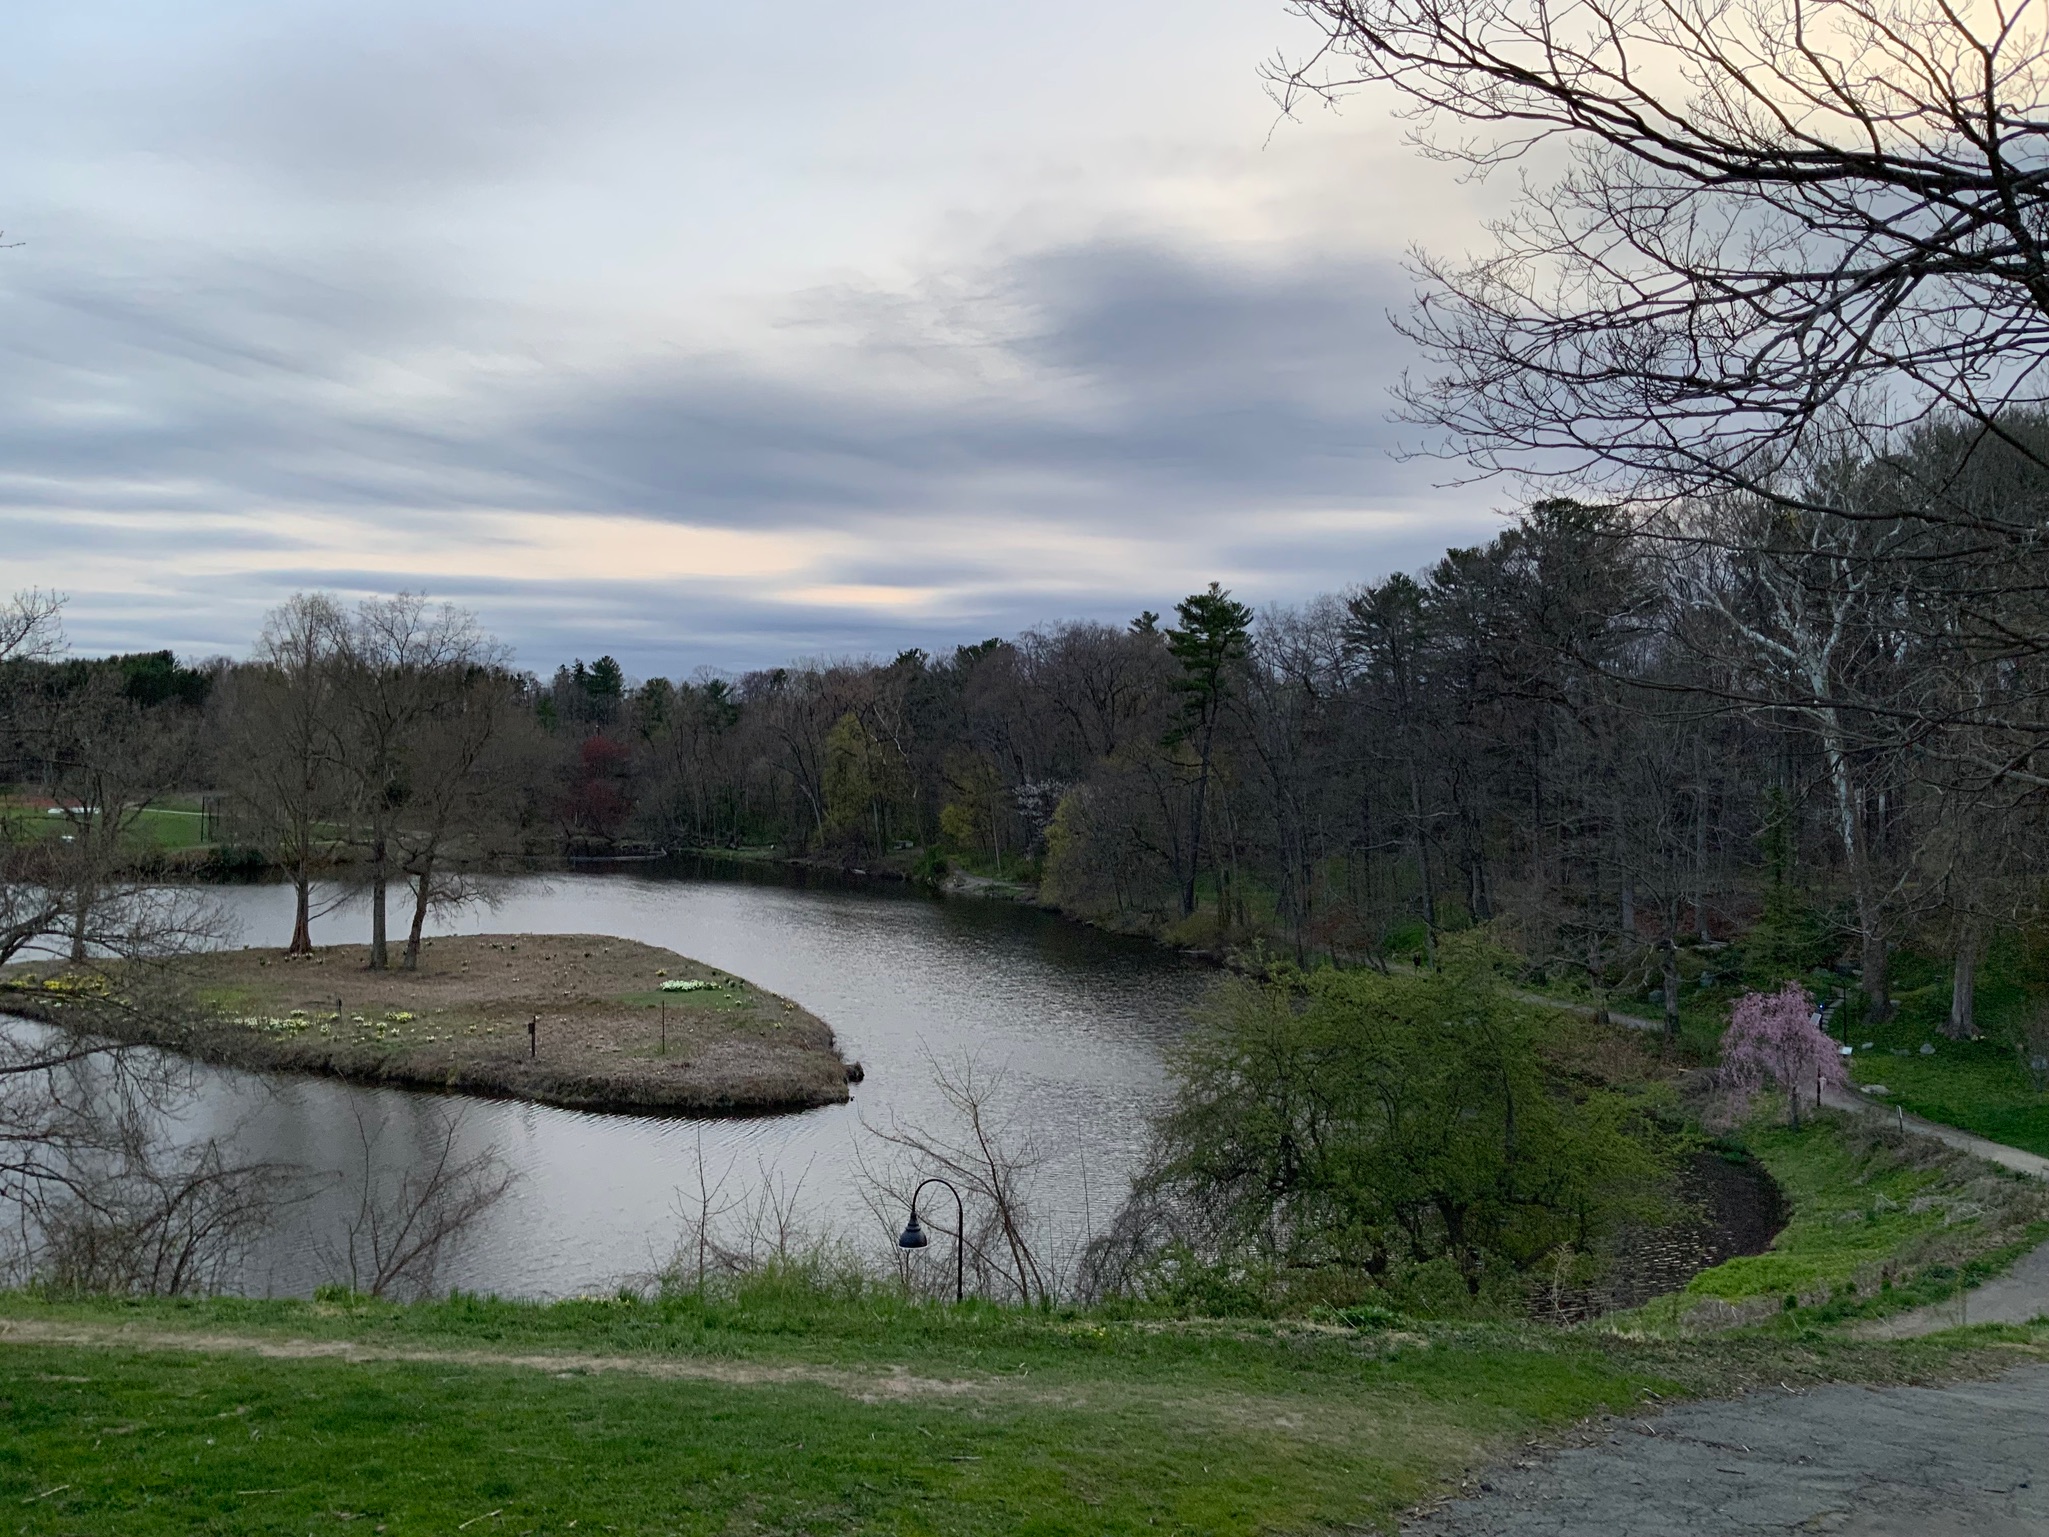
(1078, 1020)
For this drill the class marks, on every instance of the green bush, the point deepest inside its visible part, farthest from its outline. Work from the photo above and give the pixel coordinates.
(1408, 1129)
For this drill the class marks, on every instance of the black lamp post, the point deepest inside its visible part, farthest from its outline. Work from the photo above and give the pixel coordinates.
(914, 1236)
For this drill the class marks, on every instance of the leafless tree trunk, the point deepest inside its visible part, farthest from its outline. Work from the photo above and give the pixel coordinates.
(398, 657)
(284, 745)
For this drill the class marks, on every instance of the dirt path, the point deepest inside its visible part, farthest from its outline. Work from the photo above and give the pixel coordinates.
(1970, 1460)
(869, 1387)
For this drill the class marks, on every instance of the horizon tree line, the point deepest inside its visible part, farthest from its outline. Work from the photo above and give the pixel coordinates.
(1618, 743)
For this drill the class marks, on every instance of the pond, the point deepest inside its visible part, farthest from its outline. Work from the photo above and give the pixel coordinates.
(1075, 1022)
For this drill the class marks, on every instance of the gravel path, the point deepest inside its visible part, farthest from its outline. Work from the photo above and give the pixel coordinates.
(2018, 1297)
(2017, 1159)
(1965, 1461)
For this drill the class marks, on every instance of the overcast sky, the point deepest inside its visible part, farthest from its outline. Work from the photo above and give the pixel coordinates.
(704, 335)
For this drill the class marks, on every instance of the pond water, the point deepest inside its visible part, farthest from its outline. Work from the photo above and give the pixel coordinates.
(1074, 1021)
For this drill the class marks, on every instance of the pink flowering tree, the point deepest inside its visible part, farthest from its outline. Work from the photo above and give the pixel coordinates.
(1774, 1042)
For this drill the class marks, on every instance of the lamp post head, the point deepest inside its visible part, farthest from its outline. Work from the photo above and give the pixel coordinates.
(913, 1235)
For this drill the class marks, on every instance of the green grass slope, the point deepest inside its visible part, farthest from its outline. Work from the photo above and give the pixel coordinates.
(783, 1407)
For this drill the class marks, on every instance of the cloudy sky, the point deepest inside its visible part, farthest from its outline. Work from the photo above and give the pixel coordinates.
(704, 335)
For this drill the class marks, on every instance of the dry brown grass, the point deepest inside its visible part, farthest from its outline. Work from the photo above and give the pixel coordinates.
(460, 1023)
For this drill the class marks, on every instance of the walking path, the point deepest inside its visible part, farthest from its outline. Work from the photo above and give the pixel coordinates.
(1971, 1460)
(2014, 1158)
(2020, 1296)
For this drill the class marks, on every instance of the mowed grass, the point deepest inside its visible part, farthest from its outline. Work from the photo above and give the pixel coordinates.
(1235, 1439)
(1977, 1085)
(162, 828)
(789, 1410)
(174, 1444)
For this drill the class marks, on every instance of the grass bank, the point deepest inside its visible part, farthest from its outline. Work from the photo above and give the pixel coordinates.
(617, 1025)
(809, 1400)
(1980, 1085)
(1878, 1221)
(783, 1407)
(1977, 1085)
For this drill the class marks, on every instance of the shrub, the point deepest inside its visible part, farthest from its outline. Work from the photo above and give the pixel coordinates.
(1397, 1127)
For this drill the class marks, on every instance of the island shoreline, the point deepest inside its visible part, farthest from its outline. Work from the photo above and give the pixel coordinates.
(459, 1028)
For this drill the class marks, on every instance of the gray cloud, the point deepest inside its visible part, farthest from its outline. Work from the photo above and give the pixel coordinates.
(1181, 401)
(1159, 378)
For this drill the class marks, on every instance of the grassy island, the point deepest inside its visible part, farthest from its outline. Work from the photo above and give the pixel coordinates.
(619, 1025)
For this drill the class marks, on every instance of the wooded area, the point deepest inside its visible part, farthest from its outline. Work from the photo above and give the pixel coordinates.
(1617, 740)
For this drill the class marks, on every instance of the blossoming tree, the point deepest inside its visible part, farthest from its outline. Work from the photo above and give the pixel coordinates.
(1775, 1041)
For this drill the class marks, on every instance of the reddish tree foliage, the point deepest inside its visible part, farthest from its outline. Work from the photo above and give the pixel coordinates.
(600, 795)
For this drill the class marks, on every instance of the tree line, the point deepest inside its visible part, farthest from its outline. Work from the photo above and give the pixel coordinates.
(1615, 741)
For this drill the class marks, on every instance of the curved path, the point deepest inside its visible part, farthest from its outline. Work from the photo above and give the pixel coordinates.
(2019, 1296)
(1971, 1460)
(2017, 1159)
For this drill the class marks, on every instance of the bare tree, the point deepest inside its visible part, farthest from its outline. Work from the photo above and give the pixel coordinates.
(1756, 240)
(1760, 210)
(1802, 622)
(31, 627)
(78, 878)
(282, 751)
(994, 1163)
(727, 1234)
(96, 1190)
(161, 1227)
(463, 768)
(403, 1231)
(397, 660)
(106, 760)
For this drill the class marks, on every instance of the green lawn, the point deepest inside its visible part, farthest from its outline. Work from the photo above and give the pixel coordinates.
(808, 1402)
(798, 1413)
(162, 827)
(1978, 1085)
(1010, 1425)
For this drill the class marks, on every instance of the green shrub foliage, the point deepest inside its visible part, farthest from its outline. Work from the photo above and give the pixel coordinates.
(1388, 1125)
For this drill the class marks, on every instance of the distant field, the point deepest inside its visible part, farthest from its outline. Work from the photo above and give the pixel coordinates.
(169, 826)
